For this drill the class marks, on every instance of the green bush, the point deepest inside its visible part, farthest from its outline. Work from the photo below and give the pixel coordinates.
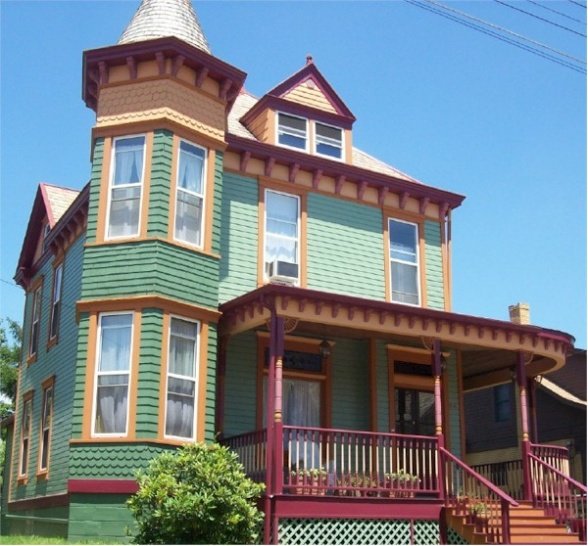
(198, 494)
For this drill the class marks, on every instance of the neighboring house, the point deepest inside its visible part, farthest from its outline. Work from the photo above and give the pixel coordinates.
(236, 262)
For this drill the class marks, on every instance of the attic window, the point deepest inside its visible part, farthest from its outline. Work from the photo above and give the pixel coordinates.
(292, 131)
(328, 140)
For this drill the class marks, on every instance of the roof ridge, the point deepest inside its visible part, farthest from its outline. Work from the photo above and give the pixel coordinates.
(163, 18)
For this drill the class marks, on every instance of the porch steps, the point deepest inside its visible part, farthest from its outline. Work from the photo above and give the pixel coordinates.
(528, 525)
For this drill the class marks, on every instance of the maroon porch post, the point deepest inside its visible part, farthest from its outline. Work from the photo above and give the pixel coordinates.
(521, 376)
(269, 447)
(277, 351)
(437, 386)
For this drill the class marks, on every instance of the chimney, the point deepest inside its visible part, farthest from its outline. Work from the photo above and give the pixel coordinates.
(520, 313)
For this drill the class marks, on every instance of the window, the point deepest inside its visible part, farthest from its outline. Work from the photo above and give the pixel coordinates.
(35, 322)
(190, 194)
(111, 400)
(281, 230)
(125, 186)
(404, 262)
(328, 140)
(181, 378)
(292, 131)
(502, 403)
(46, 419)
(25, 435)
(56, 302)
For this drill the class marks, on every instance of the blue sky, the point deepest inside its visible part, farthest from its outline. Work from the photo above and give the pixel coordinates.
(452, 107)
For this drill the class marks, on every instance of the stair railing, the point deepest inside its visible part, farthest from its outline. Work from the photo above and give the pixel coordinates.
(479, 501)
(558, 495)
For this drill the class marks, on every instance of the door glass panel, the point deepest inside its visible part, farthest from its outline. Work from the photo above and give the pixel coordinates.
(415, 412)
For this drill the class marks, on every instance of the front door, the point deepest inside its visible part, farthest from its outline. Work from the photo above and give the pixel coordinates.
(415, 412)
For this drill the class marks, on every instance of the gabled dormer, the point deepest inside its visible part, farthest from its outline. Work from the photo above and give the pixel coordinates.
(304, 113)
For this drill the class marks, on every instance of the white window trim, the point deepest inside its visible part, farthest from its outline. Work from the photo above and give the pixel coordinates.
(316, 152)
(417, 264)
(265, 231)
(195, 378)
(277, 135)
(116, 372)
(42, 444)
(55, 300)
(140, 184)
(35, 320)
(203, 196)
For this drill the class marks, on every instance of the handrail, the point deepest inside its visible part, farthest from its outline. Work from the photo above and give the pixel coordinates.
(480, 478)
(559, 473)
(563, 449)
(362, 432)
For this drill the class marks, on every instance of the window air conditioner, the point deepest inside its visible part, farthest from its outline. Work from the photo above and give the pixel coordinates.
(283, 272)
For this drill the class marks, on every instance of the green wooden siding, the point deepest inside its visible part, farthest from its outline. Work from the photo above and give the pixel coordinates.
(97, 160)
(217, 218)
(58, 361)
(382, 387)
(434, 265)
(345, 247)
(241, 384)
(150, 267)
(350, 382)
(453, 397)
(149, 373)
(210, 404)
(159, 194)
(47, 522)
(103, 516)
(239, 237)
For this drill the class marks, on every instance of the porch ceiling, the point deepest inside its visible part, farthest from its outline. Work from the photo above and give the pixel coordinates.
(488, 347)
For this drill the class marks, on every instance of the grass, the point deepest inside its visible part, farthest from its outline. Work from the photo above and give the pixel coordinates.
(33, 539)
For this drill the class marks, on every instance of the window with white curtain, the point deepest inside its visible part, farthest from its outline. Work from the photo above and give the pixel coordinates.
(115, 332)
(126, 184)
(282, 212)
(404, 261)
(46, 418)
(190, 194)
(56, 301)
(182, 368)
(35, 322)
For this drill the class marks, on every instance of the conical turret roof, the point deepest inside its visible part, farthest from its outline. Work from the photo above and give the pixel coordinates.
(162, 18)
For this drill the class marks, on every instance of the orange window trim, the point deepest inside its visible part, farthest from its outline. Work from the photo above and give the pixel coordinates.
(53, 340)
(36, 288)
(49, 383)
(27, 398)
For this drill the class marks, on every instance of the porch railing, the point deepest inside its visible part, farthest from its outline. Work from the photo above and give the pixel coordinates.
(355, 463)
(473, 497)
(508, 475)
(251, 448)
(556, 456)
(559, 495)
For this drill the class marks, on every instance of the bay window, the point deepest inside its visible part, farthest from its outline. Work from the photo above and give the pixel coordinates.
(126, 187)
(182, 369)
(190, 194)
(46, 420)
(111, 397)
(404, 261)
(282, 212)
(292, 131)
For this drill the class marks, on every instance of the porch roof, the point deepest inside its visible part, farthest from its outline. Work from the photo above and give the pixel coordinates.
(488, 347)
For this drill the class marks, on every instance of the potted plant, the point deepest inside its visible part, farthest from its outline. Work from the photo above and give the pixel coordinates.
(480, 512)
(299, 479)
(318, 481)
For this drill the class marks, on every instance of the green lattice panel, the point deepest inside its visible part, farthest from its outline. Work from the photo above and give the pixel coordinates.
(454, 538)
(343, 531)
(426, 532)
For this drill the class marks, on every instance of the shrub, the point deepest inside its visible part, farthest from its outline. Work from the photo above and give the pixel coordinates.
(198, 494)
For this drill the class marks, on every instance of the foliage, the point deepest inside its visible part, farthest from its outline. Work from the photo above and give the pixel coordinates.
(196, 495)
(10, 346)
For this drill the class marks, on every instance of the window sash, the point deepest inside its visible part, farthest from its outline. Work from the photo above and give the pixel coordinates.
(282, 228)
(328, 145)
(126, 186)
(25, 433)
(182, 384)
(46, 421)
(35, 322)
(113, 368)
(56, 304)
(289, 134)
(404, 262)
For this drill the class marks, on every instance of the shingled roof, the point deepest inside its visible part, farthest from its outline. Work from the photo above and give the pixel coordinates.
(163, 18)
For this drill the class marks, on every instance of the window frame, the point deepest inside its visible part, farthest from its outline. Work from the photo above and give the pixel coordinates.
(298, 231)
(199, 245)
(55, 316)
(27, 411)
(306, 131)
(316, 141)
(502, 398)
(48, 386)
(36, 312)
(97, 373)
(140, 184)
(197, 348)
(416, 264)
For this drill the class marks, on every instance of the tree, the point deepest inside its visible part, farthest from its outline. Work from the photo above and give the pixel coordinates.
(198, 494)
(10, 347)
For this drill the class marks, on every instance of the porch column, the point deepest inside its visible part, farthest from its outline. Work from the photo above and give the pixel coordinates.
(276, 360)
(437, 371)
(521, 376)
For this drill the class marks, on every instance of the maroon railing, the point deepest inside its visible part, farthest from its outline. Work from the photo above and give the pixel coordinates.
(559, 495)
(251, 448)
(475, 498)
(556, 456)
(508, 475)
(356, 463)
